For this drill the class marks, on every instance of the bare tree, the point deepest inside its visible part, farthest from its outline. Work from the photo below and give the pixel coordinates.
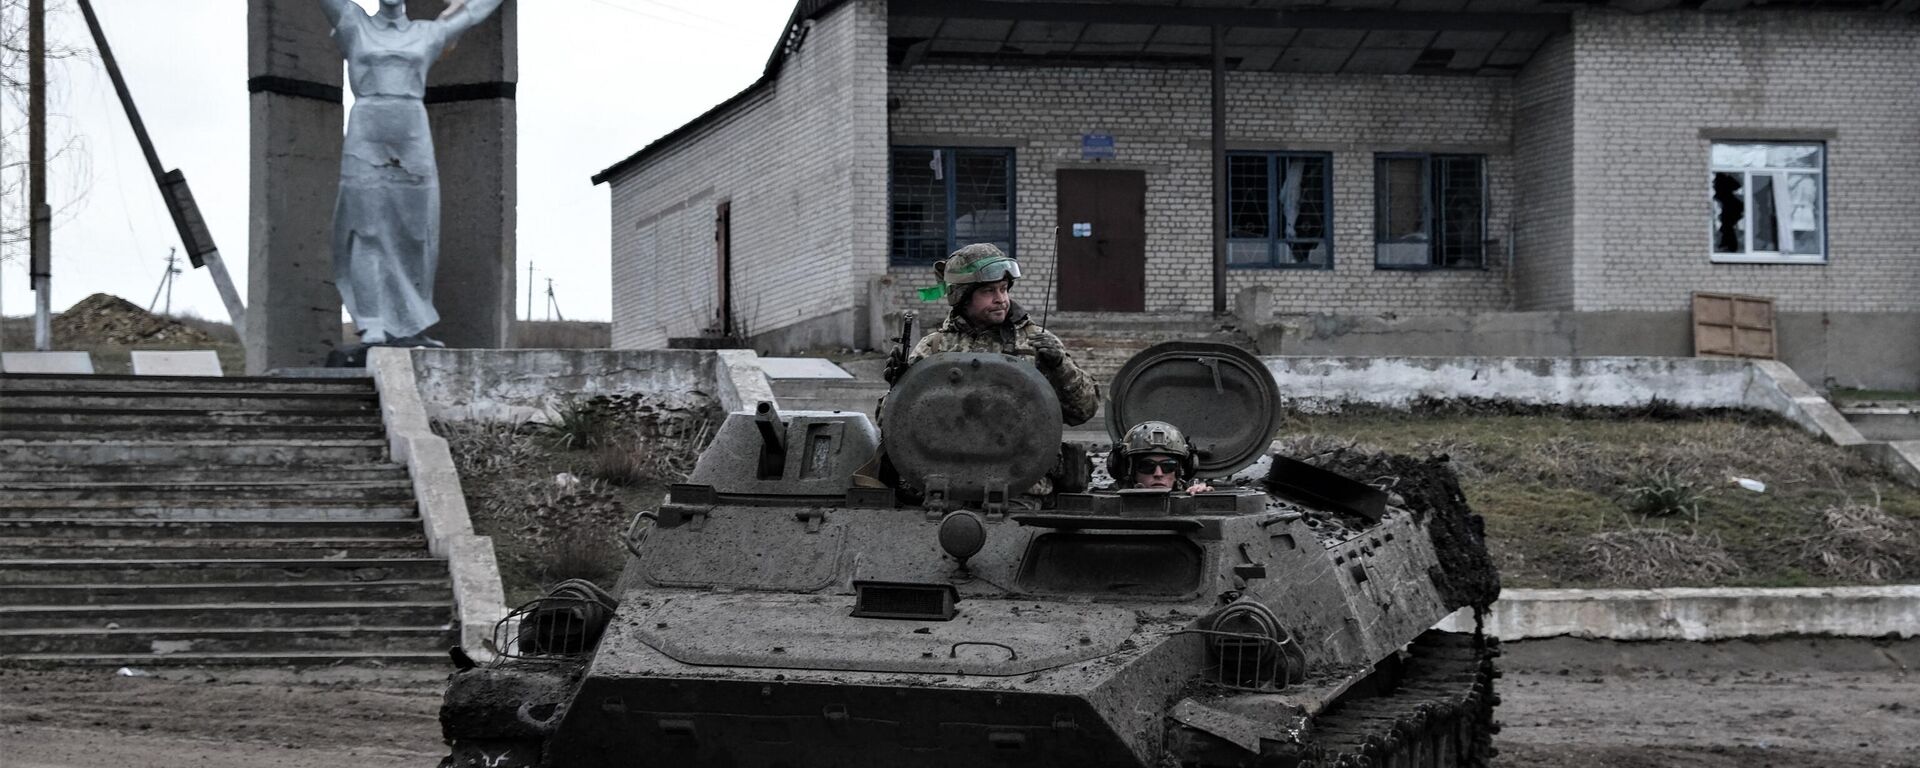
(69, 165)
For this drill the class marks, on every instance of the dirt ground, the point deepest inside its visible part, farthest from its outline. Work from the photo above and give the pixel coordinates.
(1566, 704)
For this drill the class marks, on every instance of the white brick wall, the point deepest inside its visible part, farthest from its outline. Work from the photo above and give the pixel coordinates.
(1646, 87)
(1160, 121)
(1543, 162)
(802, 163)
(1596, 166)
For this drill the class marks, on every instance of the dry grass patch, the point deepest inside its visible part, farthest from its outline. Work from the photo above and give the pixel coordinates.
(1549, 481)
(556, 497)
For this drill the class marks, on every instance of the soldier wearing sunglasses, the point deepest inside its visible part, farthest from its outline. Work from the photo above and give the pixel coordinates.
(1154, 454)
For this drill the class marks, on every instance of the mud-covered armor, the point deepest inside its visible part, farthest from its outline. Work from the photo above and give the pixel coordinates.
(772, 616)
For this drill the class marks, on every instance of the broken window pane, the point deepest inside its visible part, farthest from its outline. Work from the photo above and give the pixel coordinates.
(1278, 210)
(1803, 189)
(1248, 196)
(1729, 213)
(919, 206)
(1403, 200)
(982, 199)
(1768, 200)
(1793, 156)
(1457, 181)
(1765, 219)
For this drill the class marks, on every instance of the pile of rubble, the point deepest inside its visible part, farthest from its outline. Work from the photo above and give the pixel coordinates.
(110, 320)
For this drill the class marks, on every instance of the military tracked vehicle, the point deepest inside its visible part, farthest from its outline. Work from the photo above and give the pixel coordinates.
(773, 614)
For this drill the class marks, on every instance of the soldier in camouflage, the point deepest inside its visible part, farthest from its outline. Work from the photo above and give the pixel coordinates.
(978, 280)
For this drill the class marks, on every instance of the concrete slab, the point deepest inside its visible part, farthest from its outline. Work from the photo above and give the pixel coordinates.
(191, 362)
(1700, 614)
(802, 368)
(46, 362)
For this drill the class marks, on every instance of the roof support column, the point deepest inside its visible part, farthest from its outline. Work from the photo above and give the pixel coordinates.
(1219, 169)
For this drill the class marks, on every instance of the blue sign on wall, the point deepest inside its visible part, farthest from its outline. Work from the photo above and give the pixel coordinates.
(1097, 146)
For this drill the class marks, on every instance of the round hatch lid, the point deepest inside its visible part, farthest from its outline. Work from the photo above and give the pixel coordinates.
(1220, 395)
(976, 422)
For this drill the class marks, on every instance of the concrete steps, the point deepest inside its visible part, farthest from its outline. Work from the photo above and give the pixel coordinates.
(165, 452)
(223, 571)
(91, 418)
(437, 590)
(239, 659)
(39, 493)
(282, 476)
(1102, 342)
(195, 521)
(1887, 423)
(113, 532)
(209, 509)
(202, 400)
(186, 548)
(271, 614)
(164, 641)
(244, 384)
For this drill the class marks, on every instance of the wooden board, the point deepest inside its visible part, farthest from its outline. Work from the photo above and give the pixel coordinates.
(1730, 325)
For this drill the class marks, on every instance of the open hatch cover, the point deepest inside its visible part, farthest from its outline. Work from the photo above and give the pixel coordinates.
(1220, 395)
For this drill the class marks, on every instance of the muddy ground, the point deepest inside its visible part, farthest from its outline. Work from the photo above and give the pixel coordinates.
(1566, 703)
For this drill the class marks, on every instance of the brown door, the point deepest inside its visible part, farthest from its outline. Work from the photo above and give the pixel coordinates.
(1103, 241)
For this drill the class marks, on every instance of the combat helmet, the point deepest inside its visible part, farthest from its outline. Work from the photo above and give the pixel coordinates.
(1150, 437)
(973, 265)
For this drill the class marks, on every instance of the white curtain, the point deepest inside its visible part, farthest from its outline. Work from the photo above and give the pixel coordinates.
(1290, 196)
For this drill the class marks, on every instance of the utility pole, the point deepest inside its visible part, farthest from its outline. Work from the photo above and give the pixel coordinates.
(40, 228)
(166, 281)
(553, 304)
(529, 290)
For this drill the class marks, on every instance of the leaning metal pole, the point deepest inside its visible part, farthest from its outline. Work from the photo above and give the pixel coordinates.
(173, 186)
(1219, 169)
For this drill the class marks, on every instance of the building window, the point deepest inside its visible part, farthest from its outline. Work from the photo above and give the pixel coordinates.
(1769, 202)
(944, 198)
(1430, 211)
(1279, 208)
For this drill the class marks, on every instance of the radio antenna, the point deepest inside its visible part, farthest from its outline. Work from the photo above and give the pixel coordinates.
(1053, 279)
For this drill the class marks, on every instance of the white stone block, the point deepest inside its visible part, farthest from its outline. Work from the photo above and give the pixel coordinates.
(192, 362)
(46, 362)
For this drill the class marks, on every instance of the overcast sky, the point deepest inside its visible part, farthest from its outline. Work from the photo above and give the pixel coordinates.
(599, 79)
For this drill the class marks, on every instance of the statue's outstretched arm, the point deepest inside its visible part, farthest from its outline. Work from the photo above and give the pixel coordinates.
(335, 9)
(462, 15)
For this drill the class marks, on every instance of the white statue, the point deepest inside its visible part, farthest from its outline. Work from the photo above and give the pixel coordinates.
(386, 222)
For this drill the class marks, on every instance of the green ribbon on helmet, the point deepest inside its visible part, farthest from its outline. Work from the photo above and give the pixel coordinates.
(933, 293)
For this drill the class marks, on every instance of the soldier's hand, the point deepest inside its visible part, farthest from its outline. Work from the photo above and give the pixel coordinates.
(896, 366)
(1048, 353)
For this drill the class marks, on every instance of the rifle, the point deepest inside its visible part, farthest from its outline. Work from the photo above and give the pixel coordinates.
(897, 361)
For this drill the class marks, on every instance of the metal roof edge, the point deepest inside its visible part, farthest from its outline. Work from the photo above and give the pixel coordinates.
(803, 10)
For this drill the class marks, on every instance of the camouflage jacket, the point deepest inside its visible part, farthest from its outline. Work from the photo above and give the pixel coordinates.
(1079, 395)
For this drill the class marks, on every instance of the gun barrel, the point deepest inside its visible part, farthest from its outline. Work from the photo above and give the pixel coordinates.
(772, 428)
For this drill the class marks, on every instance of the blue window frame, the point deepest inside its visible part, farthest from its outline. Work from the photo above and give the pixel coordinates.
(1430, 211)
(1280, 210)
(943, 198)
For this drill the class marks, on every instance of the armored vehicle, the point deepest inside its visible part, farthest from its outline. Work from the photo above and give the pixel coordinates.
(773, 613)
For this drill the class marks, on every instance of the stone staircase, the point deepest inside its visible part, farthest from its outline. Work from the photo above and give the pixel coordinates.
(1101, 342)
(200, 521)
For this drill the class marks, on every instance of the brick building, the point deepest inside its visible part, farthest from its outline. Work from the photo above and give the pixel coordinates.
(1420, 176)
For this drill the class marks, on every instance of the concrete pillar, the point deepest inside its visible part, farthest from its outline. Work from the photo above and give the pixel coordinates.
(470, 100)
(294, 78)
